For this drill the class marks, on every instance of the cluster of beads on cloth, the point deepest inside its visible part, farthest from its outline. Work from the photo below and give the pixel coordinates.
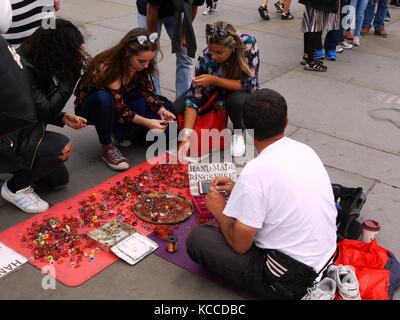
(65, 240)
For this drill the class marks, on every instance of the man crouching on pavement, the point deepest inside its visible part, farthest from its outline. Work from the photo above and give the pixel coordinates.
(277, 232)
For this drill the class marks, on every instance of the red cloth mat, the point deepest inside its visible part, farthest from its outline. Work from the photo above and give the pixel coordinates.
(65, 272)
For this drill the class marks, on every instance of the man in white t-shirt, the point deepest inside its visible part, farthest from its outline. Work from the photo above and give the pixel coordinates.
(278, 229)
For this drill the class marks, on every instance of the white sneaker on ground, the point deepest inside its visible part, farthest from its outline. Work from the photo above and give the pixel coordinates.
(323, 290)
(26, 199)
(238, 146)
(339, 49)
(346, 281)
(346, 45)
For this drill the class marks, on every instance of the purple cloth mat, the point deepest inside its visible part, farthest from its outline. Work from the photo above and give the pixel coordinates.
(182, 259)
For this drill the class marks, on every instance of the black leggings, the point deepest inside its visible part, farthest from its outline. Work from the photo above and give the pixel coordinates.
(48, 169)
(234, 103)
(312, 41)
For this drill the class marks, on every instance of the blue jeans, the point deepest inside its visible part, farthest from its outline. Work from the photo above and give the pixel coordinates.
(378, 17)
(184, 64)
(98, 109)
(359, 6)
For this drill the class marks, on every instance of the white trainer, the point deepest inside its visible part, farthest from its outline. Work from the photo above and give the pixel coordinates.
(26, 199)
(346, 45)
(323, 290)
(238, 145)
(346, 281)
(339, 49)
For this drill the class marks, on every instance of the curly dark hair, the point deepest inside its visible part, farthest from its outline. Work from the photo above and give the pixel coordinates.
(265, 111)
(57, 52)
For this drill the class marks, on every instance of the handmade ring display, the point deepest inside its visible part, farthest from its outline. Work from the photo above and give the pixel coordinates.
(163, 208)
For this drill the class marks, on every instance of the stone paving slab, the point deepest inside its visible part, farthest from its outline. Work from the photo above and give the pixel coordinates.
(337, 108)
(353, 158)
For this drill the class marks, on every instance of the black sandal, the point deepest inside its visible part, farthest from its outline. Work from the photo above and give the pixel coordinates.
(303, 61)
(314, 66)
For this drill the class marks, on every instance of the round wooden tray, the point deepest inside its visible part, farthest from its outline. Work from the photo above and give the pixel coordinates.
(137, 208)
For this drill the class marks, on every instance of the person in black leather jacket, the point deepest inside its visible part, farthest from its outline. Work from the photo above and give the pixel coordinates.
(52, 60)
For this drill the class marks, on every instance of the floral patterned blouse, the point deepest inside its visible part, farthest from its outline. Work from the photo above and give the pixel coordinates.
(124, 114)
(198, 96)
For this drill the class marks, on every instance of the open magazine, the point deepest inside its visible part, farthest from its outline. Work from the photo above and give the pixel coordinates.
(124, 241)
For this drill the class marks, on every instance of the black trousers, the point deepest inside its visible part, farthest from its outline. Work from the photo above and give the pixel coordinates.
(207, 246)
(312, 41)
(234, 102)
(48, 170)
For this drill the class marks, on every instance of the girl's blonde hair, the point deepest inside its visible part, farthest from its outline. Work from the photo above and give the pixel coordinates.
(237, 62)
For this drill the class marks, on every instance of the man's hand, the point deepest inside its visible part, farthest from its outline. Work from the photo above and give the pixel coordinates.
(214, 202)
(74, 122)
(205, 80)
(223, 184)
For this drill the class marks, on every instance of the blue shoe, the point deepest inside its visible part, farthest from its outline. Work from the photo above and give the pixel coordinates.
(331, 55)
(319, 54)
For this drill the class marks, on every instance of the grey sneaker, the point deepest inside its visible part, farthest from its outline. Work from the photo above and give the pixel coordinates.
(346, 281)
(323, 290)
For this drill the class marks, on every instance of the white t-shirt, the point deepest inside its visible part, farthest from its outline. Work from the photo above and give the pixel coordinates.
(286, 193)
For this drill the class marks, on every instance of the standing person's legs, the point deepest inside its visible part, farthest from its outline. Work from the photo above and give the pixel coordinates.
(360, 11)
(380, 14)
(207, 247)
(286, 6)
(369, 13)
(331, 41)
(184, 63)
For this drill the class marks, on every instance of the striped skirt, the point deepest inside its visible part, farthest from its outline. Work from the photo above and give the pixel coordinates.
(316, 20)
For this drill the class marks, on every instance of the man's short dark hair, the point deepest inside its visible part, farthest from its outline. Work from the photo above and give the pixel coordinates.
(265, 111)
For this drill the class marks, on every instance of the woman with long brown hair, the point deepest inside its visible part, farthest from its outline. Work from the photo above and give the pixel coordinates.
(229, 65)
(116, 95)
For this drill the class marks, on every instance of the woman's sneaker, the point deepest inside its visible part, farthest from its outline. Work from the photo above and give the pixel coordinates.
(346, 282)
(323, 290)
(114, 159)
(26, 199)
(356, 41)
(346, 45)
